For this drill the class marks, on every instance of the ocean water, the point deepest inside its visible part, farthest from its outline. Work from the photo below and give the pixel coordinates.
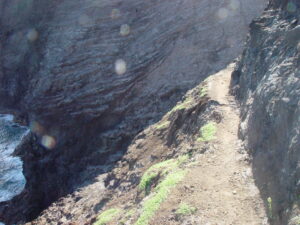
(12, 180)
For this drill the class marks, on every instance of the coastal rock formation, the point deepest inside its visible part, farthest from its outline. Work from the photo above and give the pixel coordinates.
(267, 84)
(86, 76)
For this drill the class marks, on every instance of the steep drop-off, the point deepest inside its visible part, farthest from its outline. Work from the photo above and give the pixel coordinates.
(88, 75)
(267, 84)
(189, 168)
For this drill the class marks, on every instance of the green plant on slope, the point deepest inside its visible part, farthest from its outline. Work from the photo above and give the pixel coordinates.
(269, 200)
(182, 105)
(185, 210)
(161, 168)
(203, 91)
(128, 215)
(107, 216)
(207, 132)
(162, 125)
(152, 204)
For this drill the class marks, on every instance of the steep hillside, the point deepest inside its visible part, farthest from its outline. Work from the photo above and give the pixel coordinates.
(267, 84)
(189, 168)
(87, 76)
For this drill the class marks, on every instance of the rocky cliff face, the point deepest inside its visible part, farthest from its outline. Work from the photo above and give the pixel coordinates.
(267, 83)
(88, 75)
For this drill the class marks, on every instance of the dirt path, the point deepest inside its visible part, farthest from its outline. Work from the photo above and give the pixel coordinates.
(221, 186)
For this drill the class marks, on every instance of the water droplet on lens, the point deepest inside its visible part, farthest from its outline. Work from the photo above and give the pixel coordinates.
(234, 4)
(37, 128)
(120, 67)
(84, 20)
(48, 142)
(124, 30)
(115, 14)
(32, 35)
(222, 13)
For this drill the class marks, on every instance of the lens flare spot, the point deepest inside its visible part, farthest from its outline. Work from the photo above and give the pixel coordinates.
(36, 128)
(222, 13)
(291, 7)
(124, 29)
(120, 67)
(32, 35)
(115, 14)
(234, 4)
(48, 142)
(84, 20)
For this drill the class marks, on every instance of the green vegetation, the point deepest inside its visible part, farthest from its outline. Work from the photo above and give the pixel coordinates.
(185, 210)
(203, 91)
(161, 168)
(162, 125)
(160, 194)
(107, 216)
(207, 132)
(182, 105)
(172, 174)
(269, 200)
(128, 215)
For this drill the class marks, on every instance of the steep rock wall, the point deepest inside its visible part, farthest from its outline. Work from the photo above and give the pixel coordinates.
(267, 84)
(88, 75)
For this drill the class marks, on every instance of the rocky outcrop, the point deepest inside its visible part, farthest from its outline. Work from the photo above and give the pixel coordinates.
(88, 75)
(267, 84)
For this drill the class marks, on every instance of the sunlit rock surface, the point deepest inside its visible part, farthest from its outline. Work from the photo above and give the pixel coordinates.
(88, 75)
(267, 83)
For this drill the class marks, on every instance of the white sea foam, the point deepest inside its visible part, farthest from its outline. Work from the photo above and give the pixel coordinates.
(6, 117)
(12, 180)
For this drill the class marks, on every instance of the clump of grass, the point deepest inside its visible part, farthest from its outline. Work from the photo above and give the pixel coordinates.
(107, 216)
(161, 168)
(160, 194)
(269, 200)
(207, 132)
(203, 91)
(128, 215)
(182, 105)
(185, 210)
(162, 125)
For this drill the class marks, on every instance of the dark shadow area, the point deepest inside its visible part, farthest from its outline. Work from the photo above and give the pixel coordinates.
(90, 75)
(270, 127)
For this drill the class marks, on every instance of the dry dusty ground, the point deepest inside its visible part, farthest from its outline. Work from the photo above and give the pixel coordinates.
(221, 184)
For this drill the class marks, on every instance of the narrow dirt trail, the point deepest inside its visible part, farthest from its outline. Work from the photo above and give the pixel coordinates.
(230, 195)
(221, 184)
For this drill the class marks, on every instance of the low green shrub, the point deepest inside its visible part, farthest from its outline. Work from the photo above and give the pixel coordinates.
(161, 192)
(185, 210)
(161, 168)
(107, 216)
(207, 132)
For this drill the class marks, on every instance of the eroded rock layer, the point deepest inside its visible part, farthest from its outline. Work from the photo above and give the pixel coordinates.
(88, 75)
(267, 83)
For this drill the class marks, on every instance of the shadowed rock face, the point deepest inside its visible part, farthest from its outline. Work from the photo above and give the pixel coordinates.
(267, 82)
(90, 74)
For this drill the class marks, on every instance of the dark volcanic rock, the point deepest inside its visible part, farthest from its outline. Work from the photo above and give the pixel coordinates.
(88, 75)
(267, 83)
